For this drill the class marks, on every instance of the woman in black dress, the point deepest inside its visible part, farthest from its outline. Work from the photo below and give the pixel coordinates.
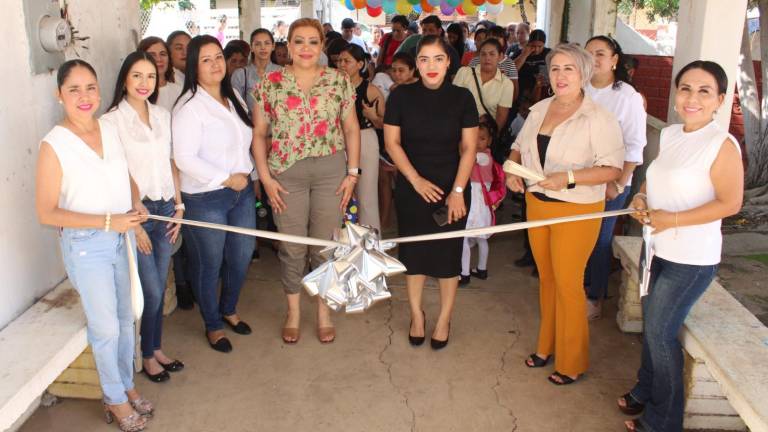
(430, 131)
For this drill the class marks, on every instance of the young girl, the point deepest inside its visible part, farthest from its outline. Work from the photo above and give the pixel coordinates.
(487, 183)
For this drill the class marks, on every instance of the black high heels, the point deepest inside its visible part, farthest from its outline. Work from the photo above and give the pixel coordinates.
(438, 344)
(418, 340)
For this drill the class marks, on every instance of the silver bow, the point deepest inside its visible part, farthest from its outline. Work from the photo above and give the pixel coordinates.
(354, 277)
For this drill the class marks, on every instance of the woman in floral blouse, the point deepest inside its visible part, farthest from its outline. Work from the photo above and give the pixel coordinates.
(304, 170)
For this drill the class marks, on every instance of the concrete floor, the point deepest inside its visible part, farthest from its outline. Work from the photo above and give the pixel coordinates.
(371, 379)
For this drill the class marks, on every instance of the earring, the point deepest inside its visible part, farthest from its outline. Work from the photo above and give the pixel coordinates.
(61, 102)
(613, 67)
(549, 91)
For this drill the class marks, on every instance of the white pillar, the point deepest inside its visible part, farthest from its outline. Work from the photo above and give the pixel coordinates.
(250, 17)
(591, 18)
(709, 30)
(307, 9)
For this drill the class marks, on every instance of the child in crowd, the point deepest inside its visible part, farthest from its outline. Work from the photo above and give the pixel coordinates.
(488, 190)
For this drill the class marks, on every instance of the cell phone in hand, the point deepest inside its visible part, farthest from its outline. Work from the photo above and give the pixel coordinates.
(441, 216)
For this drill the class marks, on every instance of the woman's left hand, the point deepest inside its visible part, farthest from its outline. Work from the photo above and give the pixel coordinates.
(141, 210)
(369, 111)
(611, 192)
(556, 181)
(346, 188)
(456, 207)
(174, 228)
(661, 220)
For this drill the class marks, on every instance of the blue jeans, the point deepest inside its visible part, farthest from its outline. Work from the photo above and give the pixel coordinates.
(673, 291)
(97, 265)
(214, 253)
(153, 271)
(599, 264)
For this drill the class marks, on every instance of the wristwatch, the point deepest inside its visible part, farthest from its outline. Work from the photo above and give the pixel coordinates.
(180, 207)
(458, 189)
(571, 180)
(354, 171)
(619, 187)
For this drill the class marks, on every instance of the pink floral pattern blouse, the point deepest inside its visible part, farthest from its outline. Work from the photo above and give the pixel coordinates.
(304, 126)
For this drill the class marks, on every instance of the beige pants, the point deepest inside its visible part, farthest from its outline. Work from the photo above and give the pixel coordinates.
(312, 209)
(367, 189)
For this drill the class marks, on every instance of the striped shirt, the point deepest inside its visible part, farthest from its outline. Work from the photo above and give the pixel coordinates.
(507, 67)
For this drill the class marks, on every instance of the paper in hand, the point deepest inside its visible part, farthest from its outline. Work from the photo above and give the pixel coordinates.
(521, 171)
(645, 262)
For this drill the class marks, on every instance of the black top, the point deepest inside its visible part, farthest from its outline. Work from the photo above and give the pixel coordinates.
(431, 123)
(542, 142)
(533, 65)
(362, 96)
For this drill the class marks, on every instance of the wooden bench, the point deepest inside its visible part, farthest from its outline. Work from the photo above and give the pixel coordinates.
(36, 348)
(726, 348)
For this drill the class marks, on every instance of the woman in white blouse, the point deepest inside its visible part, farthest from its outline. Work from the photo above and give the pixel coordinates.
(696, 180)
(168, 90)
(145, 132)
(610, 88)
(211, 146)
(84, 190)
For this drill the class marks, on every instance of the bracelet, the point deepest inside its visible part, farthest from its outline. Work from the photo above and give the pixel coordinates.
(640, 194)
(180, 206)
(107, 221)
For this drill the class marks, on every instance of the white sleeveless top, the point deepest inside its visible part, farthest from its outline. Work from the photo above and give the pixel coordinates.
(679, 180)
(90, 184)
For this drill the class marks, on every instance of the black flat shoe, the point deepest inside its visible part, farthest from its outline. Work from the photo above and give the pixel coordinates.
(240, 328)
(418, 340)
(480, 274)
(157, 378)
(564, 379)
(221, 345)
(631, 405)
(173, 366)
(525, 261)
(438, 344)
(463, 280)
(536, 361)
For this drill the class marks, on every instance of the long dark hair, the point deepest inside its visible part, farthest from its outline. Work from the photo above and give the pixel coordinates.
(358, 54)
(456, 29)
(147, 43)
(122, 76)
(190, 77)
(621, 74)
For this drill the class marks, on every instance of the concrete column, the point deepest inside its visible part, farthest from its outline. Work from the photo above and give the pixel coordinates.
(700, 36)
(250, 17)
(593, 17)
(549, 17)
(307, 9)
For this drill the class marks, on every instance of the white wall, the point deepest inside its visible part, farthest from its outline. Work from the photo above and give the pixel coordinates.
(30, 263)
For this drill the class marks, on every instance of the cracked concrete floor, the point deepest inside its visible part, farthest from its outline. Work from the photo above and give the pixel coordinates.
(371, 379)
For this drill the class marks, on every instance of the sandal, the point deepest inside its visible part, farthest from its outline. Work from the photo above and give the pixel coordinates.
(326, 335)
(631, 405)
(563, 379)
(536, 361)
(634, 425)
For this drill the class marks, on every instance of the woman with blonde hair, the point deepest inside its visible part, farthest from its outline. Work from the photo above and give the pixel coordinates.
(576, 146)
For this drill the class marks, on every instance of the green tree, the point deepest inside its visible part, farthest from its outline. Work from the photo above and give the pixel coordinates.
(182, 4)
(665, 9)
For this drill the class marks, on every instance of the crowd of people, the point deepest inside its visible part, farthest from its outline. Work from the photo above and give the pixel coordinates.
(310, 121)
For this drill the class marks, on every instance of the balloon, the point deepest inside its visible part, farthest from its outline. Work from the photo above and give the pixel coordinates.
(510, 2)
(374, 12)
(452, 3)
(446, 9)
(478, 2)
(414, 2)
(403, 7)
(494, 9)
(468, 7)
(374, 3)
(349, 5)
(434, 3)
(417, 9)
(359, 4)
(426, 6)
(389, 6)
(460, 11)
(494, 1)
